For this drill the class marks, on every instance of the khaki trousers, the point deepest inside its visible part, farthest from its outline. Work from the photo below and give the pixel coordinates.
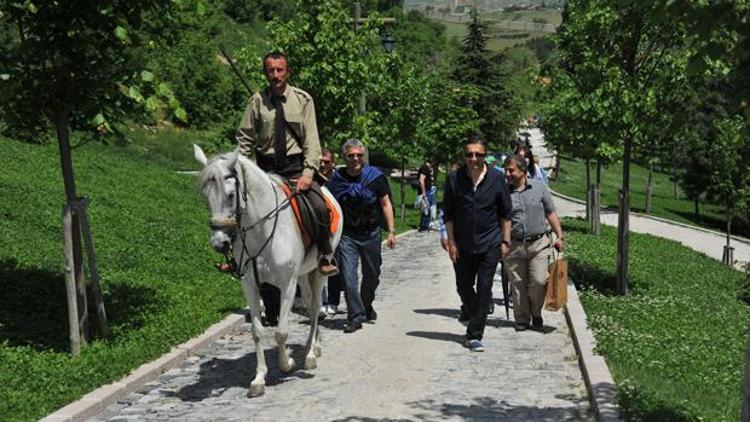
(527, 265)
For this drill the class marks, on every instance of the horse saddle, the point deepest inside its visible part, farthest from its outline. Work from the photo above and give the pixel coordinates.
(308, 222)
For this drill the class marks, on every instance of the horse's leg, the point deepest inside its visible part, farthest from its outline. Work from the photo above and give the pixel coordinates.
(316, 288)
(320, 282)
(252, 294)
(286, 363)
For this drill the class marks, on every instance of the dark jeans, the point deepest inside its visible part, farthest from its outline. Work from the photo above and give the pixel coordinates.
(476, 269)
(424, 220)
(335, 287)
(352, 247)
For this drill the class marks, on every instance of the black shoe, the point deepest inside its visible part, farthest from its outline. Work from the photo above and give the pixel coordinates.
(537, 322)
(352, 326)
(372, 315)
(491, 309)
(269, 322)
(521, 327)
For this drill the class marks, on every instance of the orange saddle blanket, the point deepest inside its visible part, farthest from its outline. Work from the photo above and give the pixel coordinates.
(307, 239)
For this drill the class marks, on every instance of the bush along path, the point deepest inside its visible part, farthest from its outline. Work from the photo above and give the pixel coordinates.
(409, 365)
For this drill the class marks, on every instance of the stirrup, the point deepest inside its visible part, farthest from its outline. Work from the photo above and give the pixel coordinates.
(326, 268)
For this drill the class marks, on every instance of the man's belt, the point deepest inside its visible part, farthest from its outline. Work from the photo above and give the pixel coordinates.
(531, 238)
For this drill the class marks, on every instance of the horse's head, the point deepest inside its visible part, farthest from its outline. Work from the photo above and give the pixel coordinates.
(219, 184)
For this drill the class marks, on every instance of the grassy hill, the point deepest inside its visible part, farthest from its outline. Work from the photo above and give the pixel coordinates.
(151, 238)
(500, 37)
(572, 182)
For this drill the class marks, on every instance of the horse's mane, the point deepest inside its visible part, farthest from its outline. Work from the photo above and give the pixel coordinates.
(214, 171)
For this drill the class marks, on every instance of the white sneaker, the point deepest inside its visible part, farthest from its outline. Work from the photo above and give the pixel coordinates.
(331, 309)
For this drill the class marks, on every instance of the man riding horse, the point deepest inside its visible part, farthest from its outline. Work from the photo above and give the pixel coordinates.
(279, 132)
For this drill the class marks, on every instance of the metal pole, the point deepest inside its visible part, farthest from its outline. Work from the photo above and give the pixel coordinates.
(357, 18)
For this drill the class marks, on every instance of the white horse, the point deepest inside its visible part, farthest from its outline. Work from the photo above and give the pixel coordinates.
(250, 211)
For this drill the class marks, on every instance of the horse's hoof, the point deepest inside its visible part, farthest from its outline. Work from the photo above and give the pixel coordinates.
(288, 367)
(311, 362)
(257, 390)
(318, 351)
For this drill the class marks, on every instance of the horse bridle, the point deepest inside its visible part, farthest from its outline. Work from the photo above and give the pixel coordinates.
(231, 226)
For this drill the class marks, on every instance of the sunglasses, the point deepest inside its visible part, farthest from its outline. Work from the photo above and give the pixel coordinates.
(474, 155)
(351, 156)
(325, 161)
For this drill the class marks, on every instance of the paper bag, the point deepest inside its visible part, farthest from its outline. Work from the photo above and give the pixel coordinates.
(557, 285)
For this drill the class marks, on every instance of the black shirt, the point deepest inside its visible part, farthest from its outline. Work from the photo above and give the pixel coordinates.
(381, 188)
(428, 182)
(476, 214)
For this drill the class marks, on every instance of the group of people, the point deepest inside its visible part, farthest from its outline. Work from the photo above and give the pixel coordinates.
(279, 132)
(495, 214)
(490, 213)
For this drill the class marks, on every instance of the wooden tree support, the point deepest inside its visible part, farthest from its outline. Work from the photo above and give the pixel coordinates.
(76, 288)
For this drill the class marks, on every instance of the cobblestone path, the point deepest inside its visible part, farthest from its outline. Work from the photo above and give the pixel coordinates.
(408, 366)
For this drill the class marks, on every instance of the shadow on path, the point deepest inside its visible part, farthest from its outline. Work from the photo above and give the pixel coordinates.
(434, 335)
(446, 312)
(482, 409)
(219, 375)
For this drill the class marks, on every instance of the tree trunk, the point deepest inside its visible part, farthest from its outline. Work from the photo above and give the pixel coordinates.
(649, 187)
(62, 121)
(696, 204)
(588, 190)
(403, 192)
(598, 200)
(623, 229)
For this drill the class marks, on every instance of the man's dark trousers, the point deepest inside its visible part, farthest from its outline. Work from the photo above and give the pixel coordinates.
(352, 247)
(476, 269)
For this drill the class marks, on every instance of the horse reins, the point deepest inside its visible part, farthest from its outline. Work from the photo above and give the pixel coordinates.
(228, 223)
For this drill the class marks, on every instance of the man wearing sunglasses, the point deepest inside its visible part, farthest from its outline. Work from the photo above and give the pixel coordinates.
(364, 196)
(477, 207)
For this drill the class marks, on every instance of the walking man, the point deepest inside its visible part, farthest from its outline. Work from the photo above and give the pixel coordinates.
(426, 183)
(477, 209)
(279, 132)
(364, 196)
(528, 259)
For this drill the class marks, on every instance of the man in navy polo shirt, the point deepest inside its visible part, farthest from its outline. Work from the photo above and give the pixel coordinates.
(477, 209)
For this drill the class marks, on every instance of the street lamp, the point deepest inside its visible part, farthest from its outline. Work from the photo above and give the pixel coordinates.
(388, 41)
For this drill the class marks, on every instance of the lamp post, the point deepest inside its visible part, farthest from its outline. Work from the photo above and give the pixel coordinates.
(387, 40)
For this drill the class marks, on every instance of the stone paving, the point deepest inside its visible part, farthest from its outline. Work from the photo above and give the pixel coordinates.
(408, 366)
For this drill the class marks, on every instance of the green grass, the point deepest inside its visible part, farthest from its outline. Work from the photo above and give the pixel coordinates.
(675, 344)
(152, 251)
(151, 238)
(496, 42)
(572, 182)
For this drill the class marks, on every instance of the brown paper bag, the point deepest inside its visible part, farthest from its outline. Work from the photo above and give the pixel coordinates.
(557, 285)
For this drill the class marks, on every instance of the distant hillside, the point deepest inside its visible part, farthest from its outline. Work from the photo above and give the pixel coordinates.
(485, 5)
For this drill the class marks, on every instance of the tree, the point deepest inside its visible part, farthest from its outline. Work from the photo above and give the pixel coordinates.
(614, 51)
(67, 66)
(494, 101)
(331, 61)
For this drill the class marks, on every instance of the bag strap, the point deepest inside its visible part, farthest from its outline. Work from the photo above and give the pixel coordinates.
(295, 135)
